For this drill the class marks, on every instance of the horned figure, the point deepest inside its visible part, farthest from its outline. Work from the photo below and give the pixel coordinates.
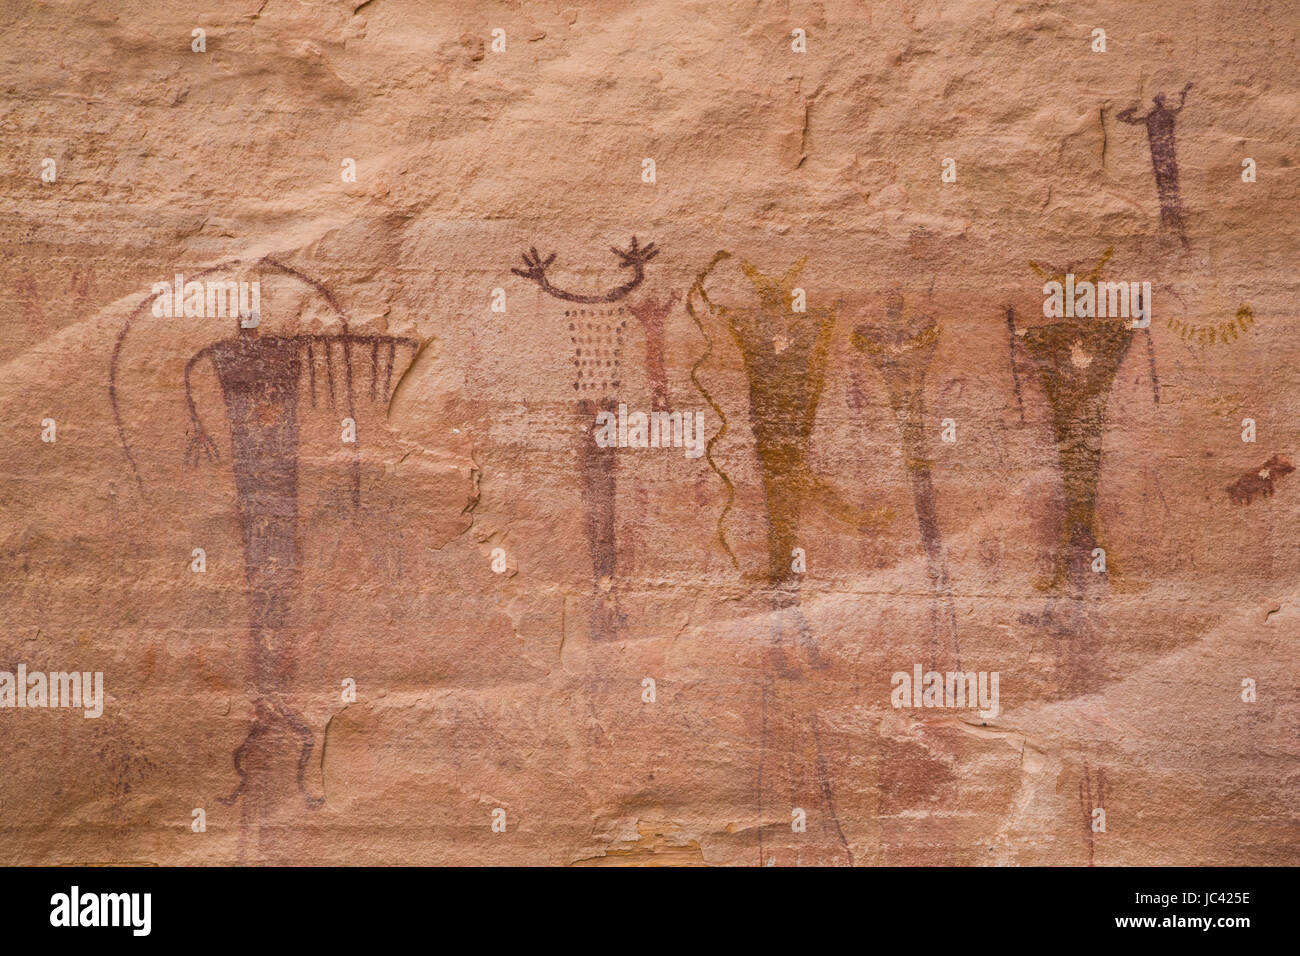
(597, 338)
(784, 355)
(1077, 360)
(1164, 160)
(262, 381)
(901, 351)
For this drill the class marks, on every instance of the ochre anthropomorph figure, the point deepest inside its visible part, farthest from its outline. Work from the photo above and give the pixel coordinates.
(1077, 360)
(261, 378)
(784, 352)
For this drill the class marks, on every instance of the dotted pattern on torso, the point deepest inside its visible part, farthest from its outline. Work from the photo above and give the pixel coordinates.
(597, 338)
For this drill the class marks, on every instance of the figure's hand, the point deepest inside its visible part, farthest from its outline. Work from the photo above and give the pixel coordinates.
(535, 266)
(200, 445)
(635, 256)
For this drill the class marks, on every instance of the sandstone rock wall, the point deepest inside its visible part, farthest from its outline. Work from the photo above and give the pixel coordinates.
(649, 655)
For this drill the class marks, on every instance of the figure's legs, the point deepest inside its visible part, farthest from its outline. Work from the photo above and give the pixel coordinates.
(278, 732)
(793, 775)
(785, 488)
(279, 735)
(596, 465)
(942, 613)
(793, 769)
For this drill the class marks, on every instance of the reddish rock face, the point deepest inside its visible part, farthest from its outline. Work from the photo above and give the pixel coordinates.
(362, 585)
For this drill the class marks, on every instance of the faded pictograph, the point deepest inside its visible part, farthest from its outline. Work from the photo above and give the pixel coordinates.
(264, 379)
(1077, 362)
(1159, 122)
(1210, 333)
(1092, 806)
(1259, 482)
(597, 336)
(901, 349)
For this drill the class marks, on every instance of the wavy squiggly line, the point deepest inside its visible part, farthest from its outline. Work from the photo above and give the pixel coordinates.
(698, 286)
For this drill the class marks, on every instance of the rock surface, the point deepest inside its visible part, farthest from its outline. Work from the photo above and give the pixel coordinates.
(649, 655)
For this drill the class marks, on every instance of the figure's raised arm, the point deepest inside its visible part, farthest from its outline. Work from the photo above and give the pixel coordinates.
(634, 257)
